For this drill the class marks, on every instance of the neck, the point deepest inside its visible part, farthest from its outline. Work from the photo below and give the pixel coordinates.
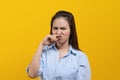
(62, 46)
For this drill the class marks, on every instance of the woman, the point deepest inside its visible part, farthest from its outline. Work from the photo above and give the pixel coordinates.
(58, 56)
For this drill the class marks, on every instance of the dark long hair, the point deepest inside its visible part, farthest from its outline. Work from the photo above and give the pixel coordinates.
(73, 41)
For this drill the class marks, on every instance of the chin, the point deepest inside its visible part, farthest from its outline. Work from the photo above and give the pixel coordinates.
(59, 42)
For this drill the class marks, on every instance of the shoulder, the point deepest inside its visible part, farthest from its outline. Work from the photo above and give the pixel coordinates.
(48, 47)
(78, 53)
(82, 58)
(81, 54)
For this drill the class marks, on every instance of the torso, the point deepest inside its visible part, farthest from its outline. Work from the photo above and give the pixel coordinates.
(62, 53)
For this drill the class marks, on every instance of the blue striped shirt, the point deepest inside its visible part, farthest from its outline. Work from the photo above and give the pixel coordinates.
(73, 66)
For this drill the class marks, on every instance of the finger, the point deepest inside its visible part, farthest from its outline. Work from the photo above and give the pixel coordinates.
(55, 38)
(50, 39)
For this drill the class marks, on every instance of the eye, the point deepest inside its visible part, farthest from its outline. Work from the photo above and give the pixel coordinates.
(63, 28)
(55, 28)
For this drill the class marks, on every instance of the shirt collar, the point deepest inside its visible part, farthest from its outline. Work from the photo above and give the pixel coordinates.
(71, 49)
(51, 46)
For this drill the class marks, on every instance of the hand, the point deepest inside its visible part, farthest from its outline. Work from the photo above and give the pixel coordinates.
(49, 39)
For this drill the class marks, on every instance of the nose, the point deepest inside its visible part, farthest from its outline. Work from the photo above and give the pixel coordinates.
(59, 32)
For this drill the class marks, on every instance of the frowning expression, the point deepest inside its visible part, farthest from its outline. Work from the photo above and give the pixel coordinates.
(61, 28)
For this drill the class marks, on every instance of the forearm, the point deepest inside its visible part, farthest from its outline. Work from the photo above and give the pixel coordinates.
(35, 63)
(34, 66)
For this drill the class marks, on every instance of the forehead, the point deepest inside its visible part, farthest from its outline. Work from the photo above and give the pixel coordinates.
(61, 21)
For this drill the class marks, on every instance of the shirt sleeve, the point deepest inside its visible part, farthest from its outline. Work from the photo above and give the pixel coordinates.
(84, 72)
(42, 62)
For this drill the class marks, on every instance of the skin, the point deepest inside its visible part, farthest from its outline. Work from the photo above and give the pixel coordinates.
(60, 36)
(61, 28)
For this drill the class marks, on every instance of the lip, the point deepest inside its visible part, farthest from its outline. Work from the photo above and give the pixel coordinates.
(58, 37)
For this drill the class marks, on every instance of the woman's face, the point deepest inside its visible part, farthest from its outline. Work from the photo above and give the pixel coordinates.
(61, 28)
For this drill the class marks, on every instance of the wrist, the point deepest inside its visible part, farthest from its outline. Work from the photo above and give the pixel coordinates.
(42, 44)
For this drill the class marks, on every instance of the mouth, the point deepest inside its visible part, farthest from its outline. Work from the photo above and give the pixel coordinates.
(58, 37)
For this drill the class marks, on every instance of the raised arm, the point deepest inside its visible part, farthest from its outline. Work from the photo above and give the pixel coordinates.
(34, 66)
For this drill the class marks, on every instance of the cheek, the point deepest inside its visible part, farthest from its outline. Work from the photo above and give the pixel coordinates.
(67, 34)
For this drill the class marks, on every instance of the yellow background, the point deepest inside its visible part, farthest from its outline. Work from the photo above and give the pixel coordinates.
(23, 24)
